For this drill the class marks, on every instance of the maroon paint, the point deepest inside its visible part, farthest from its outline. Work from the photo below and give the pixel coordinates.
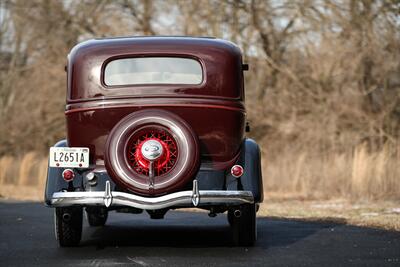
(214, 109)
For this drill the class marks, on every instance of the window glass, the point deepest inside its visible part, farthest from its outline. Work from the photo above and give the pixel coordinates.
(153, 70)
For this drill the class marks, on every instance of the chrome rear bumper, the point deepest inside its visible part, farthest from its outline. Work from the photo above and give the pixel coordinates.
(194, 198)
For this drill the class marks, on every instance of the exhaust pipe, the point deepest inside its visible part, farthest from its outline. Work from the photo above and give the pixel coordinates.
(237, 213)
(66, 217)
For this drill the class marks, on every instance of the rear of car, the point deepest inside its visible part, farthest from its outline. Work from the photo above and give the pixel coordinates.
(154, 123)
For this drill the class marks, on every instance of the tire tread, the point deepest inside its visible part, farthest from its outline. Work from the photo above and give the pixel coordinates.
(69, 233)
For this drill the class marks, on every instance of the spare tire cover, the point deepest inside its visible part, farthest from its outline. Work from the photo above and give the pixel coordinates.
(127, 161)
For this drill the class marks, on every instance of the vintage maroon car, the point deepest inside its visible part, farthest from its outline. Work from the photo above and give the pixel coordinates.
(154, 123)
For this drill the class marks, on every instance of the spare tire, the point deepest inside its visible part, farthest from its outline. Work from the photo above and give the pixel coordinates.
(152, 152)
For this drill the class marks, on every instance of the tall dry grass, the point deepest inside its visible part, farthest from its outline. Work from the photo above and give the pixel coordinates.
(28, 170)
(354, 174)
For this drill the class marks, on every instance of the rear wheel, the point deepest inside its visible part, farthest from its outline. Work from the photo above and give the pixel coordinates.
(243, 224)
(68, 226)
(96, 216)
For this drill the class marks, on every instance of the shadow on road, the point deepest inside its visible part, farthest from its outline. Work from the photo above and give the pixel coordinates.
(182, 229)
(178, 229)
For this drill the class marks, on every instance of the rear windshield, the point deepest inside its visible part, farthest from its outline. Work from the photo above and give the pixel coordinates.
(153, 70)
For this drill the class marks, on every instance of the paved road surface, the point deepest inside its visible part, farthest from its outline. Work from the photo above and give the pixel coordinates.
(189, 239)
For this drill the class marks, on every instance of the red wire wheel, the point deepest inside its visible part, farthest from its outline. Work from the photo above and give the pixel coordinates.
(164, 164)
(125, 156)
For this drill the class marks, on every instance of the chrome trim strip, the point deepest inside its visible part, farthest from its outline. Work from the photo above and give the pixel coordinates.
(168, 100)
(178, 199)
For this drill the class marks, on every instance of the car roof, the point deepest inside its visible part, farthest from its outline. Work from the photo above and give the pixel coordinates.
(221, 62)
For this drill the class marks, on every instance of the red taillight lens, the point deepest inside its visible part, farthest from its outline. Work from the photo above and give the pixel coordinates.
(237, 171)
(68, 175)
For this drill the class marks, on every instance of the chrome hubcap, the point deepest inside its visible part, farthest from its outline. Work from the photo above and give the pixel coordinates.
(152, 150)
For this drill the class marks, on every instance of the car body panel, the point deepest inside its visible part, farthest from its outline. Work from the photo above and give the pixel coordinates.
(214, 109)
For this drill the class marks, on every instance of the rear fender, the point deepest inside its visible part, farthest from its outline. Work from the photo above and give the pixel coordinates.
(55, 182)
(251, 180)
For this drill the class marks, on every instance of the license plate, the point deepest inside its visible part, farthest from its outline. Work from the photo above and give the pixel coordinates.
(69, 157)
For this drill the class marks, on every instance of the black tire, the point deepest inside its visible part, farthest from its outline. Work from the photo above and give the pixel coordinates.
(68, 226)
(96, 216)
(244, 228)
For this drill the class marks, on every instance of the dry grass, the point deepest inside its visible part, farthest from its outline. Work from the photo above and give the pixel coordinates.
(24, 193)
(354, 174)
(28, 170)
(23, 178)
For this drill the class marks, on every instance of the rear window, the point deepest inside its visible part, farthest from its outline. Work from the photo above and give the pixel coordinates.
(153, 70)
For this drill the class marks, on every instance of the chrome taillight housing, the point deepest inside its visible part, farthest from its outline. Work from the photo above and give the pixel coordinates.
(237, 171)
(68, 175)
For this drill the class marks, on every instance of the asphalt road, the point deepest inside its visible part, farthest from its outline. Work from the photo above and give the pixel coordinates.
(189, 239)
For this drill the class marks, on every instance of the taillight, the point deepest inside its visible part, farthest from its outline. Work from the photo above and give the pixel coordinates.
(237, 171)
(68, 175)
